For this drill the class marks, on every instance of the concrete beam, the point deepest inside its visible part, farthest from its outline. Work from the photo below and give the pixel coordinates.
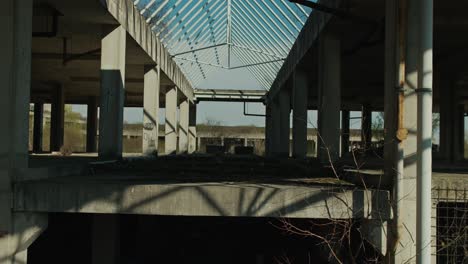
(112, 93)
(125, 12)
(222, 95)
(329, 95)
(171, 121)
(152, 87)
(183, 127)
(96, 194)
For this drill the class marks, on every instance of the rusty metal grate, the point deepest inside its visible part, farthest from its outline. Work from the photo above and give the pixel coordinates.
(451, 225)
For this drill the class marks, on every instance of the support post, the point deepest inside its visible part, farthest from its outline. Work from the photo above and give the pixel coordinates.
(446, 117)
(183, 126)
(38, 127)
(92, 125)
(329, 99)
(457, 129)
(268, 130)
(57, 119)
(152, 83)
(105, 239)
(366, 126)
(284, 124)
(300, 103)
(424, 139)
(192, 136)
(17, 230)
(402, 72)
(112, 93)
(345, 118)
(276, 124)
(171, 121)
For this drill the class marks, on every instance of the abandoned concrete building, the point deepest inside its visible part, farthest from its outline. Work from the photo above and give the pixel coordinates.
(400, 200)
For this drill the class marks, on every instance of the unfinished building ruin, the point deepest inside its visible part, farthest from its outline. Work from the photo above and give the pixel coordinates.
(284, 192)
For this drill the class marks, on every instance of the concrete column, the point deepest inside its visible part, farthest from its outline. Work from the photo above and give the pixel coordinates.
(112, 93)
(192, 136)
(92, 125)
(284, 99)
(276, 124)
(329, 99)
(457, 130)
(300, 103)
(57, 118)
(152, 85)
(183, 126)
(345, 117)
(171, 121)
(451, 123)
(268, 130)
(403, 229)
(105, 239)
(246, 142)
(446, 119)
(366, 126)
(38, 127)
(17, 230)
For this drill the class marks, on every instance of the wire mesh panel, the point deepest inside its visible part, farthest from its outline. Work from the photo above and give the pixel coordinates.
(451, 220)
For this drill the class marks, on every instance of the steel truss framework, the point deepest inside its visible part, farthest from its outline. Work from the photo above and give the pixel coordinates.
(204, 35)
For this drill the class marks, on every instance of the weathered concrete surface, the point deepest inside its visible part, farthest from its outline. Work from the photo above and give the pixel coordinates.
(299, 102)
(113, 59)
(183, 126)
(329, 98)
(171, 121)
(17, 230)
(152, 87)
(127, 195)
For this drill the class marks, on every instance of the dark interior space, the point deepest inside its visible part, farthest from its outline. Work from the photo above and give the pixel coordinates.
(161, 239)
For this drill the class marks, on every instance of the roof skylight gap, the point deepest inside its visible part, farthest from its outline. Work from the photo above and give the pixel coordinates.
(204, 36)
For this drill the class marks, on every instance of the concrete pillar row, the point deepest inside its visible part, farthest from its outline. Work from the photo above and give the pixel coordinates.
(300, 103)
(284, 100)
(92, 124)
(329, 99)
(152, 84)
(183, 126)
(192, 136)
(38, 127)
(113, 58)
(17, 230)
(57, 123)
(171, 121)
